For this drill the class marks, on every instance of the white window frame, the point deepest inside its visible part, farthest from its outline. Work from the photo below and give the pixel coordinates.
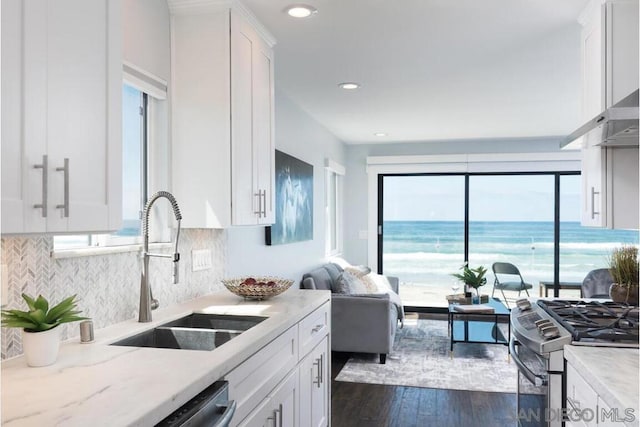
(334, 190)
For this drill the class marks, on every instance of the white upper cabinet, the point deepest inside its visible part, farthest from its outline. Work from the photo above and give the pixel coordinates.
(223, 133)
(61, 116)
(609, 73)
(609, 53)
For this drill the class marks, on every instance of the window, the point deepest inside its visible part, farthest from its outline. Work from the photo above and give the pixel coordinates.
(432, 223)
(134, 176)
(333, 207)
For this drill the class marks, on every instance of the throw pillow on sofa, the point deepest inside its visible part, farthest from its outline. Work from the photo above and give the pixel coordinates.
(350, 284)
(358, 270)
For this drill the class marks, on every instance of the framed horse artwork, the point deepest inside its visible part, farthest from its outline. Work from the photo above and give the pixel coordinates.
(294, 201)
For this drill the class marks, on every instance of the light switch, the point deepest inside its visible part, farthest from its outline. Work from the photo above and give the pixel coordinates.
(363, 235)
(200, 259)
(5, 284)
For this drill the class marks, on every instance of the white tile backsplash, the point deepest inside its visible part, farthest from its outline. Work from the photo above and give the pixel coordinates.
(108, 286)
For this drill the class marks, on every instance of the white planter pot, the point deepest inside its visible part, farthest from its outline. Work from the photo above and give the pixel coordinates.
(41, 348)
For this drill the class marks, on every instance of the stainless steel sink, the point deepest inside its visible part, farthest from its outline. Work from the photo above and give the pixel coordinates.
(196, 331)
(216, 321)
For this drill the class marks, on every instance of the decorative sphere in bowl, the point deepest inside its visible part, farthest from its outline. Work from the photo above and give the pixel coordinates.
(257, 287)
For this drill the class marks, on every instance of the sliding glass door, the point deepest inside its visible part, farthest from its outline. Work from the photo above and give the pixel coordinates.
(423, 234)
(511, 219)
(431, 224)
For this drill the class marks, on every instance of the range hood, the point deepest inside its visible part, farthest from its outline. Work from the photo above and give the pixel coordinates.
(617, 126)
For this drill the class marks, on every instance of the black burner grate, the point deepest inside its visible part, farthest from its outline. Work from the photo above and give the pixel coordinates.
(595, 321)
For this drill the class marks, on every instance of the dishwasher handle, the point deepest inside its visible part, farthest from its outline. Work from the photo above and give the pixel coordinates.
(229, 410)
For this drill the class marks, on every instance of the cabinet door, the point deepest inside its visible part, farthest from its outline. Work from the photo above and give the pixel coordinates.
(61, 150)
(14, 166)
(280, 408)
(580, 395)
(622, 188)
(621, 49)
(593, 185)
(593, 64)
(252, 139)
(315, 386)
(246, 200)
(84, 85)
(263, 132)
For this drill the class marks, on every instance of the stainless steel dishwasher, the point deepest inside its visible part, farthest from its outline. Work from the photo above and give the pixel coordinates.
(209, 408)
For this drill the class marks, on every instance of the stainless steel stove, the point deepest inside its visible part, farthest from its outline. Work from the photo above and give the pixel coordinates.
(540, 330)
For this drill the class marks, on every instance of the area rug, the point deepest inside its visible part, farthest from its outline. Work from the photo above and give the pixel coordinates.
(421, 358)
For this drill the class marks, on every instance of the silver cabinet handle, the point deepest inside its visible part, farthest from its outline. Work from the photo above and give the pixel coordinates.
(316, 329)
(318, 363)
(262, 203)
(259, 196)
(321, 369)
(279, 415)
(44, 166)
(65, 205)
(593, 202)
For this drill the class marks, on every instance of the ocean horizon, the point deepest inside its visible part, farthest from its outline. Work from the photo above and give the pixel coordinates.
(428, 252)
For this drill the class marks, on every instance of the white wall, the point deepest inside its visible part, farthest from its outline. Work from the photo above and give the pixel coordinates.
(356, 183)
(147, 37)
(300, 136)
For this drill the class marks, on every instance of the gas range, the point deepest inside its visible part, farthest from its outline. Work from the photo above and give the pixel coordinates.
(596, 323)
(539, 331)
(547, 325)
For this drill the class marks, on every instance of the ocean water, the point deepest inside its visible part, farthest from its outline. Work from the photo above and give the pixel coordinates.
(427, 252)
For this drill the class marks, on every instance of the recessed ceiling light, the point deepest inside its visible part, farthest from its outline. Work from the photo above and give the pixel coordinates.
(300, 10)
(349, 85)
(380, 134)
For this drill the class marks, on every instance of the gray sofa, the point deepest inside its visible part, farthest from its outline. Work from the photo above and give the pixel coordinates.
(359, 323)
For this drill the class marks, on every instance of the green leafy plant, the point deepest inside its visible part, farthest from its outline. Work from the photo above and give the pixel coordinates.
(40, 317)
(623, 266)
(473, 277)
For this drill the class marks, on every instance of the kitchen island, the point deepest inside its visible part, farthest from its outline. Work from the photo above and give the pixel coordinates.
(99, 384)
(603, 380)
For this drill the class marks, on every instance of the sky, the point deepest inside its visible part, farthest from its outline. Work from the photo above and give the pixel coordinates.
(491, 198)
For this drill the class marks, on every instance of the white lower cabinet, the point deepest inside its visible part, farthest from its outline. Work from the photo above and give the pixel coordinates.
(280, 408)
(315, 387)
(287, 382)
(586, 408)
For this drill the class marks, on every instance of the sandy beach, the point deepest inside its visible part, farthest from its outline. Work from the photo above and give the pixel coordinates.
(431, 295)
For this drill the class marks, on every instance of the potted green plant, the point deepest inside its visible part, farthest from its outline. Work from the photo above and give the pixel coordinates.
(623, 266)
(40, 332)
(473, 277)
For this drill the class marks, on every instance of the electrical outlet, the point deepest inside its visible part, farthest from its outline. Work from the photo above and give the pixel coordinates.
(5, 284)
(200, 259)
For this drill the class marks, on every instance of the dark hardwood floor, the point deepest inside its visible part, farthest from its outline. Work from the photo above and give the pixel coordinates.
(374, 405)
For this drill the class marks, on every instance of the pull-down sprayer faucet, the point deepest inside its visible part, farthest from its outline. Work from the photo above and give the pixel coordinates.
(147, 303)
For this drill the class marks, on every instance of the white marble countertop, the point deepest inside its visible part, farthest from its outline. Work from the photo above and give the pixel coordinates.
(612, 372)
(99, 384)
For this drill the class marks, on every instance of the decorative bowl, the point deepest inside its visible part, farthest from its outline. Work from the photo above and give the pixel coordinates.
(259, 288)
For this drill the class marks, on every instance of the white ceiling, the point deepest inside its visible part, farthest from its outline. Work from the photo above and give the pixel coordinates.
(431, 69)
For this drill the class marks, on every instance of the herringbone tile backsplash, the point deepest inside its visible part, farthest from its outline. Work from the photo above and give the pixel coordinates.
(108, 286)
